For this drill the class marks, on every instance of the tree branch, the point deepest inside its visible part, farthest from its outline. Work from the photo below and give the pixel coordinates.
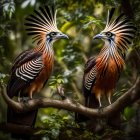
(21, 129)
(132, 95)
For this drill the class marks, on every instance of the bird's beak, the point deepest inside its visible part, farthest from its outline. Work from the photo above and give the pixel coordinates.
(98, 36)
(61, 35)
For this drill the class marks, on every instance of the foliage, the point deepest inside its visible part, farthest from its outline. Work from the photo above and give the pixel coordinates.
(55, 123)
(129, 113)
(55, 81)
(81, 20)
(8, 8)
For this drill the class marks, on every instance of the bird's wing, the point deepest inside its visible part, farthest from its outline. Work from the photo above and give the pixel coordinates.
(89, 78)
(89, 74)
(24, 57)
(26, 68)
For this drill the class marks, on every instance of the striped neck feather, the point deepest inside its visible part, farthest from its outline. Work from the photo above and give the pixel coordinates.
(109, 51)
(45, 47)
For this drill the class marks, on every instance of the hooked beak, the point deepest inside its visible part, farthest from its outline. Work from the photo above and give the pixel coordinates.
(61, 35)
(98, 36)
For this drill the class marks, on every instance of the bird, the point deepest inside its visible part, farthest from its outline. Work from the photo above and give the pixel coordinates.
(102, 72)
(32, 68)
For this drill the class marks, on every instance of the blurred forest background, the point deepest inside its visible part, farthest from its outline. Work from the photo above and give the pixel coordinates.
(80, 20)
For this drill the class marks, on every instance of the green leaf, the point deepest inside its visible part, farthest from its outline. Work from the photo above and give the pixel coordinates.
(9, 8)
(40, 132)
(60, 81)
(65, 118)
(66, 26)
(91, 20)
(128, 113)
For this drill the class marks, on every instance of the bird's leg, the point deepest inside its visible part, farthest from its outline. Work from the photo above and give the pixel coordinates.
(109, 97)
(100, 109)
(99, 99)
(98, 96)
(30, 95)
(19, 97)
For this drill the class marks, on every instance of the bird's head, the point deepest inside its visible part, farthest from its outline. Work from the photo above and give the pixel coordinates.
(42, 25)
(118, 33)
(105, 36)
(53, 36)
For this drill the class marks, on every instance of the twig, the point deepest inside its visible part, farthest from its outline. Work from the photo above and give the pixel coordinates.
(132, 95)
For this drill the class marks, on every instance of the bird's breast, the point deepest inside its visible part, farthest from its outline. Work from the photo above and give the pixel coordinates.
(108, 73)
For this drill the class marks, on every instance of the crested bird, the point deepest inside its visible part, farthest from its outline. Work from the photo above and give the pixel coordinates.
(32, 68)
(103, 71)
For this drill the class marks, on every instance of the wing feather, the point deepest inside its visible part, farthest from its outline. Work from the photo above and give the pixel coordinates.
(26, 68)
(89, 77)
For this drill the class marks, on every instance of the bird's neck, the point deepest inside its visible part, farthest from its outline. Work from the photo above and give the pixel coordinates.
(110, 53)
(47, 49)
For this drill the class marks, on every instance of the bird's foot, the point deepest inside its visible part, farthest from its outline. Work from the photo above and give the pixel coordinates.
(19, 99)
(25, 99)
(100, 109)
(109, 102)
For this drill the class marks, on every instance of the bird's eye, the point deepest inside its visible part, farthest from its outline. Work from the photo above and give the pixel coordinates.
(53, 33)
(108, 34)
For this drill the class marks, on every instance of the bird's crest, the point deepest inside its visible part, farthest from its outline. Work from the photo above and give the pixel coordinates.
(122, 28)
(41, 23)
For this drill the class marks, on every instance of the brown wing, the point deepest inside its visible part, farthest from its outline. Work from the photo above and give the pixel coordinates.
(89, 74)
(89, 79)
(25, 69)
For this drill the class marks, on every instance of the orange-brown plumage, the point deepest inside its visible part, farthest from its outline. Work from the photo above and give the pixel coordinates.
(103, 71)
(32, 68)
(105, 84)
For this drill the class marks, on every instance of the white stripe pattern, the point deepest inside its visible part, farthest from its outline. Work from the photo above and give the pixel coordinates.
(90, 78)
(30, 70)
(42, 23)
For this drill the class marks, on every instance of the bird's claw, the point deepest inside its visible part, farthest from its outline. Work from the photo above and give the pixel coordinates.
(100, 109)
(24, 100)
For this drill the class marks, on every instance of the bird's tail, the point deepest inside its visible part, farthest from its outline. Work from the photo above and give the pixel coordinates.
(27, 118)
(21, 119)
(90, 102)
